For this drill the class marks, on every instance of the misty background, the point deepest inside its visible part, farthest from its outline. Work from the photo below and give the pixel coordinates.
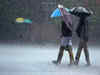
(43, 28)
(18, 55)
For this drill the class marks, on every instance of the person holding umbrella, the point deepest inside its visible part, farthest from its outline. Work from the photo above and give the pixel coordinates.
(82, 31)
(66, 36)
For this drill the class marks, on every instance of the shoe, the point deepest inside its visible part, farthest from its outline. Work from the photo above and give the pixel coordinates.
(76, 63)
(88, 64)
(70, 64)
(55, 62)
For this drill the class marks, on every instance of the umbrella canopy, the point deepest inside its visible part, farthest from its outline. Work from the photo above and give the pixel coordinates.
(80, 11)
(65, 15)
(22, 20)
(27, 21)
(57, 13)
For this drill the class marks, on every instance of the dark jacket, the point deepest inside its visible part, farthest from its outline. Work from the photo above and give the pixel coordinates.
(82, 28)
(65, 30)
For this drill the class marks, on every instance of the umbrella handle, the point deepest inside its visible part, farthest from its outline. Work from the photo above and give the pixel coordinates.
(60, 11)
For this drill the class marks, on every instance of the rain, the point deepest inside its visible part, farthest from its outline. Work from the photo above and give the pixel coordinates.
(30, 38)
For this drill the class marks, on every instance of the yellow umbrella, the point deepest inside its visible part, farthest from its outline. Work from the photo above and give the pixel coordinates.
(20, 20)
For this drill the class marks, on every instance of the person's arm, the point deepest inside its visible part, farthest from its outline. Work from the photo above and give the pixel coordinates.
(65, 16)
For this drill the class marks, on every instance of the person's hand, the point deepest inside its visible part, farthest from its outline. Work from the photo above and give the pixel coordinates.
(59, 37)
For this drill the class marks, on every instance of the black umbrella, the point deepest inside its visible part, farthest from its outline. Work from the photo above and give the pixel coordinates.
(81, 11)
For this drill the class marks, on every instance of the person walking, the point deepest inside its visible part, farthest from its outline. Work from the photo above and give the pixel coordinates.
(66, 43)
(82, 33)
(66, 36)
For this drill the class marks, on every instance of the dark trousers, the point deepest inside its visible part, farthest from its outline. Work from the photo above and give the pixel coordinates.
(82, 45)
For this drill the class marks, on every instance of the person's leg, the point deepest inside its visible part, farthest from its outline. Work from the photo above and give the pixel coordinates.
(86, 53)
(71, 54)
(78, 53)
(60, 54)
(61, 50)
